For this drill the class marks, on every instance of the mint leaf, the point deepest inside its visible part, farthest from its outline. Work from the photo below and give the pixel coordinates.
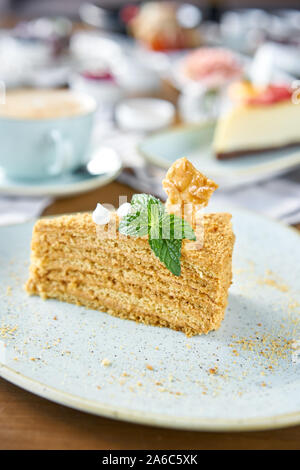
(141, 201)
(173, 227)
(134, 225)
(182, 227)
(169, 252)
(138, 222)
(165, 231)
(154, 217)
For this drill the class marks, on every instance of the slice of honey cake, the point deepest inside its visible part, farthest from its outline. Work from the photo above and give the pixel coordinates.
(145, 262)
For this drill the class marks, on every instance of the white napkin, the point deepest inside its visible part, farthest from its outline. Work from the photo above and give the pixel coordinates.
(278, 198)
(14, 210)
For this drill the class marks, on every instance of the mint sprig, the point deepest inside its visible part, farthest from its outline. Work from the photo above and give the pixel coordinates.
(165, 231)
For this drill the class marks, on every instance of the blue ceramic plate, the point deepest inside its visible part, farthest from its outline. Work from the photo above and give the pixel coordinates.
(246, 375)
(195, 143)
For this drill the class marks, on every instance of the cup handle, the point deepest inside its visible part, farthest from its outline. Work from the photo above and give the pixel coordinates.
(62, 152)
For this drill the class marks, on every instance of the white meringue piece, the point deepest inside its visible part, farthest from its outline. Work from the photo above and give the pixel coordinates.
(124, 209)
(101, 215)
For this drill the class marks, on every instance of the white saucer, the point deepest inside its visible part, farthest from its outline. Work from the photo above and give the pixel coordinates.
(64, 185)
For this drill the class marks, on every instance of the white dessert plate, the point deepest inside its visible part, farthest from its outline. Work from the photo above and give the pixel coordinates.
(65, 185)
(195, 143)
(244, 376)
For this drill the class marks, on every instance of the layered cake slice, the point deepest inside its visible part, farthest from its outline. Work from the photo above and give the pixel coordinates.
(146, 263)
(259, 119)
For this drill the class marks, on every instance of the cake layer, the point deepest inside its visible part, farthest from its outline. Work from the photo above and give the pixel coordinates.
(129, 305)
(207, 269)
(172, 295)
(72, 261)
(81, 233)
(127, 270)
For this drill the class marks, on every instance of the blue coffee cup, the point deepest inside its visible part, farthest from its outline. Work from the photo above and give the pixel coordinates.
(46, 147)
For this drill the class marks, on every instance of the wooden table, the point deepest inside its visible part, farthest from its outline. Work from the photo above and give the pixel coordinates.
(30, 422)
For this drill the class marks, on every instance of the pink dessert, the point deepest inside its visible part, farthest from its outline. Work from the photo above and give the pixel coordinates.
(213, 67)
(98, 75)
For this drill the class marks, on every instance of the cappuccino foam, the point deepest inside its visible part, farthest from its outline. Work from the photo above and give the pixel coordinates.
(43, 104)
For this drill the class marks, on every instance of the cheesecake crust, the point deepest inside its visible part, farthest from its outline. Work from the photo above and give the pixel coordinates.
(242, 153)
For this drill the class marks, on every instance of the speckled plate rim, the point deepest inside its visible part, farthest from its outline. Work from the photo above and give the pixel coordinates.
(140, 417)
(154, 419)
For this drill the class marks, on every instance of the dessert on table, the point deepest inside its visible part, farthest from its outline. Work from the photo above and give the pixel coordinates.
(261, 118)
(100, 82)
(212, 67)
(202, 76)
(157, 25)
(167, 265)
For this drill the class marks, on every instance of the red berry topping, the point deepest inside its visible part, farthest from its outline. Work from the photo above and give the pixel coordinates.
(272, 94)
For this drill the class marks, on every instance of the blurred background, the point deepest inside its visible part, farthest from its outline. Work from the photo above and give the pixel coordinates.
(118, 50)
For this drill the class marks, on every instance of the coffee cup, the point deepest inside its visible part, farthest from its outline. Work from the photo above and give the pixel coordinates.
(44, 133)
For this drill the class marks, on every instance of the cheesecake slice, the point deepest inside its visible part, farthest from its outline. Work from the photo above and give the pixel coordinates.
(76, 260)
(259, 120)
